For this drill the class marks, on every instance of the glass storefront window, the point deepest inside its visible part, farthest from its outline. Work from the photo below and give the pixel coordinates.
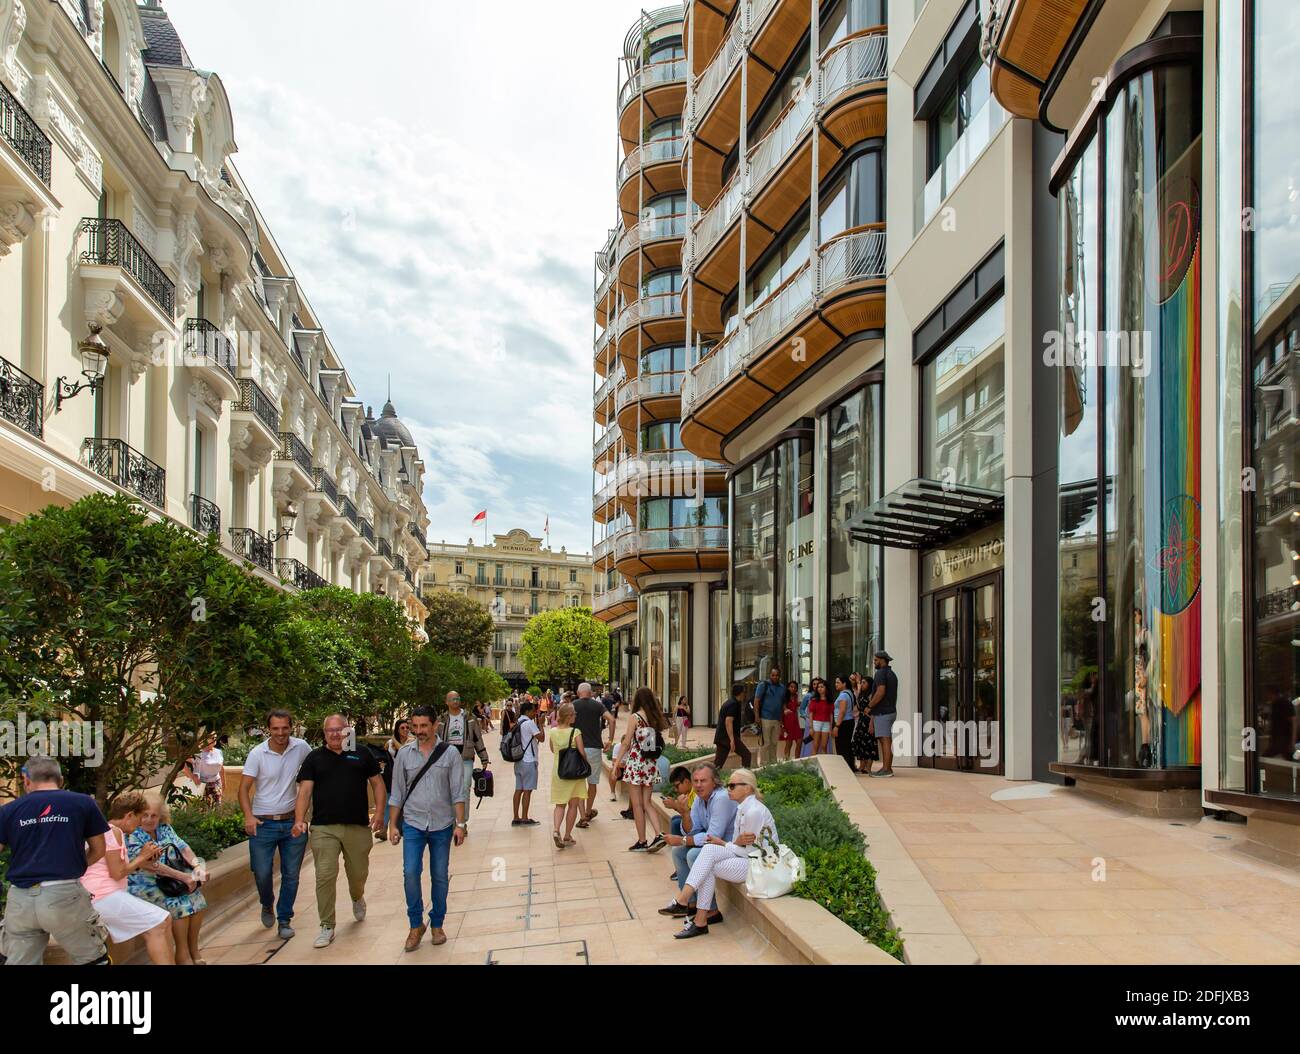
(753, 558)
(664, 623)
(962, 411)
(1078, 739)
(795, 524)
(1275, 324)
(854, 460)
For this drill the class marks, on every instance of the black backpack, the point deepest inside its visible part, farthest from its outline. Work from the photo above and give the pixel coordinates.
(513, 746)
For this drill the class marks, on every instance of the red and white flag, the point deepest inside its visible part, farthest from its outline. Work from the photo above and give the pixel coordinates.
(480, 517)
(547, 528)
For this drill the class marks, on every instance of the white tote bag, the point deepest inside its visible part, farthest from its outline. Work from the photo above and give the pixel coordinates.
(773, 868)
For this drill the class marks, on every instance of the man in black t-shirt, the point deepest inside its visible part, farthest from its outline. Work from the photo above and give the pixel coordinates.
(883, 708)
(727, 738)
(332, 781)
(53, 836)
(591, 718)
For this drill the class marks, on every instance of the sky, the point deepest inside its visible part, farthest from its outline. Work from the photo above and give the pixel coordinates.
(440, 177)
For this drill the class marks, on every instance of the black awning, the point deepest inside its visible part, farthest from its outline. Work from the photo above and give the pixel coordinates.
(926, 514)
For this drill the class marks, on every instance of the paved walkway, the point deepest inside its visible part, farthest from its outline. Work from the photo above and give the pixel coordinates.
(1018, 875)
(515, 898)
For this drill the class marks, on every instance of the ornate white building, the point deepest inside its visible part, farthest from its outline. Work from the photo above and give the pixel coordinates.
(223, 404)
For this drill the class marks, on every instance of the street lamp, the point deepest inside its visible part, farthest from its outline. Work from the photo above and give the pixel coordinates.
(94, 364)
(287, 519)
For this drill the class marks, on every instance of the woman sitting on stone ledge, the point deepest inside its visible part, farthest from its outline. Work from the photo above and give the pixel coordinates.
(728, 861)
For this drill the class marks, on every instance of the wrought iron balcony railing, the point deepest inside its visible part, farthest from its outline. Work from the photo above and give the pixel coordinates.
(254, 401)
(22, 133)
(324, 483)
(413, 529)
(298, 574)
(109, 243)
(22, 399)
(257, 549)
(205, 515)
(367, 531)
(385, 549)
(204, 343)
(127, 467)
(399, 562)
(293, 449)
(349, 509)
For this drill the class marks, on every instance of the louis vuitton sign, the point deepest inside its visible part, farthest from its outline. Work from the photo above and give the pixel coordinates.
(974, 555)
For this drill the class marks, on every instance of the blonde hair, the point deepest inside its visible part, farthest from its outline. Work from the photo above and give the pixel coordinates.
(126, 804)
(746, 776)
(566, 713)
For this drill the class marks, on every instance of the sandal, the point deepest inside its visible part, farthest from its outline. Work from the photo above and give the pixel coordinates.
(559, 842)
(570, 841)
(583, 824)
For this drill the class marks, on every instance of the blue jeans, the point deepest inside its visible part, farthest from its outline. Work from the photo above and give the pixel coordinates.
(270, 835)
(683, 855)
(414, 842)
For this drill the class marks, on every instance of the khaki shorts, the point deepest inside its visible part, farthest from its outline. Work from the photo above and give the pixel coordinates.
(61, 910)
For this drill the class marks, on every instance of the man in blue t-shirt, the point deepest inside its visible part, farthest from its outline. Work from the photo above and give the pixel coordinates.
(769, 701)
(54, 836)
(884, 707)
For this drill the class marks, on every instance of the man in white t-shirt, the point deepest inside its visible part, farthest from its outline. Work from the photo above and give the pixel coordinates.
(526, 767)
(268, 792)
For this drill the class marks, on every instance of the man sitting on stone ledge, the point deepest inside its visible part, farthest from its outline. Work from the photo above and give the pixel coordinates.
(704, 810)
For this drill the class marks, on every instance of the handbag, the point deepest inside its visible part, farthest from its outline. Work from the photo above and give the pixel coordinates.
(572, 763)
(484, 785)
(773, 868)
(174, 887)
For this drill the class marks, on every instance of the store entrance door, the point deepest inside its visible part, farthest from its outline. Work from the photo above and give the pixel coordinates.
(964, 720)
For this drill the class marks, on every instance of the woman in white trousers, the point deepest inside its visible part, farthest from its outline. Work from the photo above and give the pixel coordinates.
(728, 861)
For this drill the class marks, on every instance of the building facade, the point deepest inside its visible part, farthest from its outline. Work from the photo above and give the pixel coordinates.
(660, 545)
(1179, 277)
(515, 578)
(126, 232)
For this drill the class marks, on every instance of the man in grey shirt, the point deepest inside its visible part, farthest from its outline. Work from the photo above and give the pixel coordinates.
(426, 810)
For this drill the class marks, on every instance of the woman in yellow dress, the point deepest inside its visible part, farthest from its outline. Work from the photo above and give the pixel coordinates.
(564, 793)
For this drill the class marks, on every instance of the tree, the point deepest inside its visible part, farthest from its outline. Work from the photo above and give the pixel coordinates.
(135, 627)
(457, 625)
(567, 644)
(437, 674)
(385, 650)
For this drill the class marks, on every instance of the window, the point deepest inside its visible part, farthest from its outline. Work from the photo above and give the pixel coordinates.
(573, 576)
(460, 567)
(962, 417)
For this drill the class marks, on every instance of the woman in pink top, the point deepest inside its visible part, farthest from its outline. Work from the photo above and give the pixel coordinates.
(123, 915)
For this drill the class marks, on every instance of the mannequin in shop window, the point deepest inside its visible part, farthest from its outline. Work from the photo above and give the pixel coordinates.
(1141, 690)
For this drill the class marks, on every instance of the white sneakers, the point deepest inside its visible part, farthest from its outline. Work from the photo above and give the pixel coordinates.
(359, 909)
(325, 938)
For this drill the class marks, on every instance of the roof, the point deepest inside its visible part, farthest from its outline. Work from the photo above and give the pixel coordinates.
(390, 427)
(163, 43)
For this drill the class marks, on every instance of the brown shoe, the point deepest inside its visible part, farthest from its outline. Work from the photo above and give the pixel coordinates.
(438, 936)
(414, 937)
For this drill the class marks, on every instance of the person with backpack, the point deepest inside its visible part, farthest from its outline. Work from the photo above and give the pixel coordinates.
(769, 701)
(462, 731)
(520, 748)
(638, 766)
(427, 810)
(569, 776)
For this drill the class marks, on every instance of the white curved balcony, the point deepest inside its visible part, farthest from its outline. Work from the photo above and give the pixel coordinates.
(649, 386)
(766, 155)
(608, 385)
(717, 218)
(662, 305)
(705, 90)
(654, 152)
(667, 539)
(651, 75)
(860, 59)
(857, 255)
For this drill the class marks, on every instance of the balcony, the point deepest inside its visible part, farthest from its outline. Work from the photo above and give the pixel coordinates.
(258, 412)
(253, 547)
(413, 529)
(600, 400)
(603, 342)
(518, 583)
(113, 263)
(367, 531)
(293, 451)
(323, 483)
(1025, 41)
(602, 502)
(349, 510)
(965, 151)
(671, 549)
(648, 398)
(297, 574)
(719, 72)
(205, 515)
(659, 163)
(656, 237)
(22, 399)
(614, 602)
(211, 355)
(21, 135)
(604, 445)
(660, 319)
(399, 563)
(842, 291)
(127, 468)
(661, 89)
(385, 549)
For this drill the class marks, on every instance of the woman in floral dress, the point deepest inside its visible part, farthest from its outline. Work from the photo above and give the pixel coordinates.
(187, 909)
(638, 765)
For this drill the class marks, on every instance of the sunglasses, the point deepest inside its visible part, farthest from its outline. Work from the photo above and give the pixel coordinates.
(733, 786)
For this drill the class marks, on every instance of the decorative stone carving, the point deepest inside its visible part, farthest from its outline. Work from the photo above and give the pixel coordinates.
(202, 391)
(16, 222)
(188, 249)
(13, 23)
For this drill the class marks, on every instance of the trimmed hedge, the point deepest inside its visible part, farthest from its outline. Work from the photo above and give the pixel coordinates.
(208, 829)
(840, 878)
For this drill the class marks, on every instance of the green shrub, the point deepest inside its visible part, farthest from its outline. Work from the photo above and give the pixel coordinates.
(237, 753)
(209, 830)
(816, 825)
(677, 757)
(792, 785)
(843, 881)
